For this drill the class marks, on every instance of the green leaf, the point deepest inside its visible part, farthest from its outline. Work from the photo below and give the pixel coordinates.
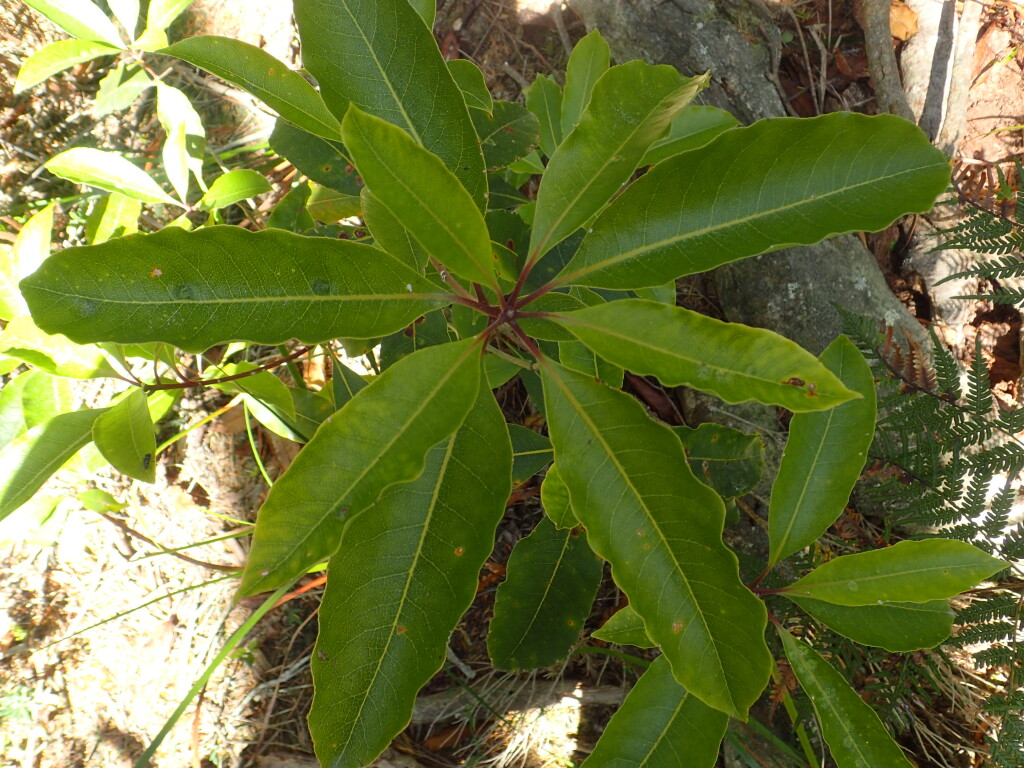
(28, 461)
(119, 88)
(232, 187)
(470, 80)
(777, 183)
(79, 18)
(416, 188)
(661, 530)
(345, 383)
(56, 57)
(124, 435)
(390, 234)
(31, 248)
(325, 162)
(263, 386)
(726, 459)
(852, 730)
(625, 627)
(44, 396)
(54, 354)
(115, 215)
(681, 347)
(331, 205)
(631, 106)
(691, 129)
(196, 289)
(426, 10)
(383, 631)
(544, 99)
(659, 723)
(378, 55)
(531, 452)
(824, 456)
(554, 497)
(185, 141)
(910, 571)
(897, 627)
(290, 213)
(577, 357)
(268, 79)
(379, 438)
(547, 595)
(507, 132)
(109, 171)
(162, 12)
(427, 331)
(589, 60)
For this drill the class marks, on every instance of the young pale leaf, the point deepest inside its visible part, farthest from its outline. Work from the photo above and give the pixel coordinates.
(531, 452)
(588, 61)
(544, 99)
(852, 730)
(625, 627)
(470, 80)
(232, 187)
(777, 183)
(271, 81)
(109, 171)
(28, 461)
(12, 411)
(897, 627)
(507, 132)
(681, 347)
(426, 9)
(660, 725)
(197, 289)
(554, 497)
(56, 57)
(417, 189)
(44, 396)
(124, 435)
(378, 55)
(119, 88)
(330, 205)
(910, 571)
(379, 438)
(631, 106)
(690, 129)
(661, 530)
(54, 354)
(185, 140)
(547, 595)
(79, 18)
(405, 573)
(31, 248)
(162, 12)
(726, 459)
(115, 215)
(126, 12)
(824, 456)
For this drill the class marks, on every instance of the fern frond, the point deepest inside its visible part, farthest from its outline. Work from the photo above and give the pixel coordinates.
(979, 390)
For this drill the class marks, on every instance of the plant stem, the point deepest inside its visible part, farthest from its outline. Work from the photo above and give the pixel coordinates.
(628, 658)
(252, 445)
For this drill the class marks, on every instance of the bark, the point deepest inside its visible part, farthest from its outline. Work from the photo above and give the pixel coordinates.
(793, 291)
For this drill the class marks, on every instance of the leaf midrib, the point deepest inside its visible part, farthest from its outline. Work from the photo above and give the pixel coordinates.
(674, 239)
(585, 418)
(398, 434)
(392, 634)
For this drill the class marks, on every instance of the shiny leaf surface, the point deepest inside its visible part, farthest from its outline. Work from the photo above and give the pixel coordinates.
(124, 435)
(196, 289)
(897, 627)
